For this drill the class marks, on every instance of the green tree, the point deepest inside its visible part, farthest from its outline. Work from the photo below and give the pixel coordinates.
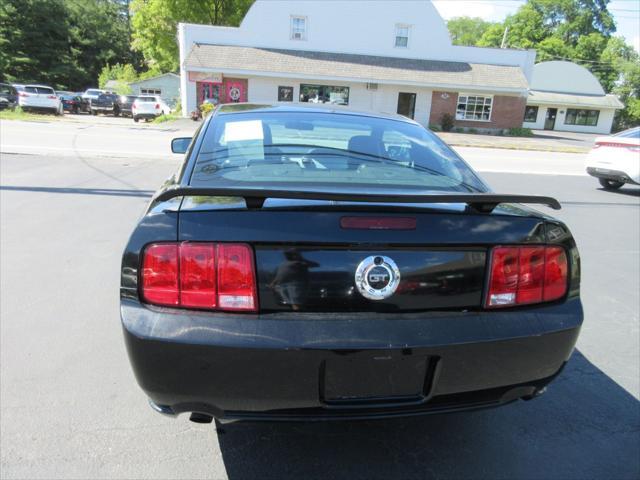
(64, 43)
(154, 24)
(467, 30)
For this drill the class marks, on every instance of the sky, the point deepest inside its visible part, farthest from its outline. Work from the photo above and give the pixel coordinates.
(625, 12)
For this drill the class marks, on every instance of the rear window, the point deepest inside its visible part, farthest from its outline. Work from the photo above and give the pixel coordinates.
(7, 90)
(42, 90)
(146, 99)
(311, 149)
(93, 92)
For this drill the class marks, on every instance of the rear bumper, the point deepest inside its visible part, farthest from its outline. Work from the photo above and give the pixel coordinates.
(145, 115)
(273, 367)
(615, 175)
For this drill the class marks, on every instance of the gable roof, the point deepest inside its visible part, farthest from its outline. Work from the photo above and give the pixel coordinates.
(157, 76)
(354, 67)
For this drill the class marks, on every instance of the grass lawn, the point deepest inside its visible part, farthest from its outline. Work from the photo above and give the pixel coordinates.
(167, 118)
(19, 114)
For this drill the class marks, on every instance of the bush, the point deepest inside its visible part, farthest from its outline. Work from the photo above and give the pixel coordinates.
(206, 108)
(434, 128)
(458, 130)
(446, 122)
(472, 131)
(519, 132)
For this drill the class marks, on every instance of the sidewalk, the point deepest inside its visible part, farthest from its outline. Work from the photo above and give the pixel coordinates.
(542, 141)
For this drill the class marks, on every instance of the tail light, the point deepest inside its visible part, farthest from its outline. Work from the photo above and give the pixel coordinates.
(51, 97)
(157, 106)
(200, 275)
(633, 148)
(23, 94)
(526, 275)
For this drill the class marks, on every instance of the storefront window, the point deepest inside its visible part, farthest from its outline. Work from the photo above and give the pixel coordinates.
(324, 94)
(587, 118)
(531, 114)
(474, 108)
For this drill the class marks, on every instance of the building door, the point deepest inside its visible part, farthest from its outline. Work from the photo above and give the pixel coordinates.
(407, 104)
(208, 91)
(550, 119)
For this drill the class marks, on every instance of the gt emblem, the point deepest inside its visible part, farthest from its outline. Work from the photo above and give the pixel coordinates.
(377, 277)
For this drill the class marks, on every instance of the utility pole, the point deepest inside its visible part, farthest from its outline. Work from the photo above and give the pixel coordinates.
(504, 38)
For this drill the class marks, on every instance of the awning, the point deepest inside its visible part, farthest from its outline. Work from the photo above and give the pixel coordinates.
(356, 68)
(571, 100)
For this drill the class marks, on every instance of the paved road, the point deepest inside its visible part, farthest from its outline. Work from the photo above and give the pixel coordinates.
(70, 407)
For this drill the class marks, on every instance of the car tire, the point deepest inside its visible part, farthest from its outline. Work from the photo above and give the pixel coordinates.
(610, 184)
(94, 112)
(135, 119)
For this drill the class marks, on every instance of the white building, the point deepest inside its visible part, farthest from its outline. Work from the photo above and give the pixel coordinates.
(565, 96)
(374, 55)
(166, 86)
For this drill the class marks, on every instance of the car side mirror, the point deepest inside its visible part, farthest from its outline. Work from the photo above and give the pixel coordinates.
(180, 145)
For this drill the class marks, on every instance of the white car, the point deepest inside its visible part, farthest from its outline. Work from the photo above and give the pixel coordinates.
(148, 107)
(615, 160)
(92, 94)
(40, 97)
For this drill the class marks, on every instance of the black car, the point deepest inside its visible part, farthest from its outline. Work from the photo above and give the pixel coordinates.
(295, 270)
(106, 103)
(124, 104)
(71, 102)
(8, 96)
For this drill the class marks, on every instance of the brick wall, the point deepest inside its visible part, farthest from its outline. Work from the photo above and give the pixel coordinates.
(508, 112)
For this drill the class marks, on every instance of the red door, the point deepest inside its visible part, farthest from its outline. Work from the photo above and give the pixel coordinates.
(235, 90)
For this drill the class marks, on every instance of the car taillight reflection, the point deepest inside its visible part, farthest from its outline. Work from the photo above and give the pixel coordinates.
(526, 275)
(200, 275)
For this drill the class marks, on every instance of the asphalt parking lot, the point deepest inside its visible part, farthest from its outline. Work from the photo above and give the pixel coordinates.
(70, 407)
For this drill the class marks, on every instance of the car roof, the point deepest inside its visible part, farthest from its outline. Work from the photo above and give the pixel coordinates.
(236, 108)
(38, 85)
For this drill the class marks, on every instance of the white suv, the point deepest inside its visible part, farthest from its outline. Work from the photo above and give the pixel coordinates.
(615, 160)
(40, 97)
(148, 107)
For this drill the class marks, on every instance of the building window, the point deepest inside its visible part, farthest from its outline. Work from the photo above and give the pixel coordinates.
(324, 94)
(285, 94)
(474, 108)
(150, 91)
(531, 114)
(298, 28)
(402, 36)
(588, 118)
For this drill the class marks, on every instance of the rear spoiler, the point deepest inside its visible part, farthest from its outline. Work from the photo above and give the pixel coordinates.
(254, 197)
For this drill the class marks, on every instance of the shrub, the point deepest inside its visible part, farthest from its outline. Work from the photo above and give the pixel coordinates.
(446, 122)
(434, 128)
(472, 131)
(519, 132)
(206, 108)
(458, 130)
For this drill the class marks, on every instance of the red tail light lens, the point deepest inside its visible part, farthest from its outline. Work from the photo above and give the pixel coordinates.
(52, 97)
(23, 94)
(236, 278)
(157, 106)
(160, 274)
(200, 275)
(526, 275)
(378, 223)
(555, 274)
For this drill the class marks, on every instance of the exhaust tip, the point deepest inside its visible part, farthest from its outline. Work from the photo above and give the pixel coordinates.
(200, 418)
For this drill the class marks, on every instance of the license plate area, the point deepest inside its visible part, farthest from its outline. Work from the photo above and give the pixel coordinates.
(375, 379)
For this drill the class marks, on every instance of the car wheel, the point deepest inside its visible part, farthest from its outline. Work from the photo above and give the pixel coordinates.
(610, 184)
(56, 112)
(116, 112)
(135, 119)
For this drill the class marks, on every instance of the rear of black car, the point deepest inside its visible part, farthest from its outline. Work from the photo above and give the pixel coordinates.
(323, 301)
(8, 97)
(106, 103)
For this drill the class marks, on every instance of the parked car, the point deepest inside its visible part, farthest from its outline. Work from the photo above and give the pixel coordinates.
(291, 270)
(92, 94)
(40, 97)
(8, 96)
(84, 103)
(71, 102)
(106, 103)
(615, 159)
(125, 102)
(148, 107)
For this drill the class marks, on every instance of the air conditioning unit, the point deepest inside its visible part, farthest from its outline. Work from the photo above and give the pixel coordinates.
(372, 86)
